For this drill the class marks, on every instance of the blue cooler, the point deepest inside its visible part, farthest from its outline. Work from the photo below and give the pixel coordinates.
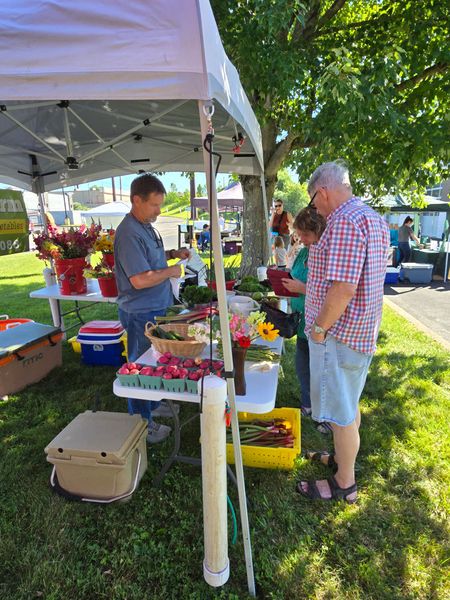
(101, 343)
(392, 275)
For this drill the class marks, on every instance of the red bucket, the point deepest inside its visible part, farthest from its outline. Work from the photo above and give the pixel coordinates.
(70, 275)
(108, 286)
(109, 259)
(229, 285)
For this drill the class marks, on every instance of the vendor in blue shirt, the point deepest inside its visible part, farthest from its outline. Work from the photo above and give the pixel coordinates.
(143, 282)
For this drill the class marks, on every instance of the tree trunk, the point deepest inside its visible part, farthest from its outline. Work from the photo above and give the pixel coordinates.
(255, 245)
(255, 239)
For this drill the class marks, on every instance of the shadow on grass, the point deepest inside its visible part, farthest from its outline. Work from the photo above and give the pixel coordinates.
(22, 276)
(391, 541)
(395, 532)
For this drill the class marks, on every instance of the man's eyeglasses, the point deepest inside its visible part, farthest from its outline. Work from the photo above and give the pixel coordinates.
(278, 205)
(311, 202)
(155, 235)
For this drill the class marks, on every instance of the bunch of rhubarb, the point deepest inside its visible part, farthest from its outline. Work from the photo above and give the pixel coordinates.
(189, 317)
(275, 433)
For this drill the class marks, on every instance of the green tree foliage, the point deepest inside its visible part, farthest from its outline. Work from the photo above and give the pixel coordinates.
(175, 199)
(362, 80)
(294, 195)
(201, 190)
(365, 80)
(79, 206)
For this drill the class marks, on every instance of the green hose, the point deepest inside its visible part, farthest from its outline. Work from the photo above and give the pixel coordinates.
(233, 516)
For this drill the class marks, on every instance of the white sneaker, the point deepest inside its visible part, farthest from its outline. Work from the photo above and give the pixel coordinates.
(163, 410)
(157, 432)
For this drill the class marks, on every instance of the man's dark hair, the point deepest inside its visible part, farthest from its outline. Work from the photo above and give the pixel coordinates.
(205, 226)
(408, 220)
(146, 184)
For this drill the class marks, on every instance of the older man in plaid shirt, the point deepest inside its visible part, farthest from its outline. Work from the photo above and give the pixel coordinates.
(344, 300)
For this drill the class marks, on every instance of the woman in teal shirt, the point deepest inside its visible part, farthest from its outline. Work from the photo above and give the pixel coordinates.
(309, 226)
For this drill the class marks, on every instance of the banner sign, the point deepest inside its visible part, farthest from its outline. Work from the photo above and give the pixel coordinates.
(14, 236)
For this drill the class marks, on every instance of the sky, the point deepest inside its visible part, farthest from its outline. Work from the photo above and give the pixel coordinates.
(181, 182)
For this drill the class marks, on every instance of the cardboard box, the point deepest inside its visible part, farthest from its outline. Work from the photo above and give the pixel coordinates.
(28, 353)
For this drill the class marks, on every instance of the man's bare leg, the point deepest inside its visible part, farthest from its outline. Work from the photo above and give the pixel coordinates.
(346, 446)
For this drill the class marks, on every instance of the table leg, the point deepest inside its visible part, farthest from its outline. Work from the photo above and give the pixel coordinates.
(175, 457)
(176, 446)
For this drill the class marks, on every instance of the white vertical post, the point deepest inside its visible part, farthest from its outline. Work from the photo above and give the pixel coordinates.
(447, 250)
(227, 355)
(50, 279)
(216, 565)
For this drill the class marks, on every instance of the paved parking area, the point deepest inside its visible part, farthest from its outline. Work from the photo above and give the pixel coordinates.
(427, 306)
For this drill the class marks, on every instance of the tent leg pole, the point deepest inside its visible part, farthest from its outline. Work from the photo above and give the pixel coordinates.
(227, 355)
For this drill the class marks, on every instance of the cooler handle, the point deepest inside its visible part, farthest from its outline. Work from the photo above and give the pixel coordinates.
(97, 500)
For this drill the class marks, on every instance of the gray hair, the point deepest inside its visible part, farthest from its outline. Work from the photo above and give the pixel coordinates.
(329, 174)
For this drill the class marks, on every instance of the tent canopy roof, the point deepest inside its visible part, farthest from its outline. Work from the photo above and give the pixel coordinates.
(97, 89)
(399, 203)
(232, 196)
(112, 209)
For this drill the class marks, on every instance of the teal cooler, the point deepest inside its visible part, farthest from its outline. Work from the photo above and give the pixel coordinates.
(28, 352)
(101, 343)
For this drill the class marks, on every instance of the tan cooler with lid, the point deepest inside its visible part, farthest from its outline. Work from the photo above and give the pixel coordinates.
(100, 456)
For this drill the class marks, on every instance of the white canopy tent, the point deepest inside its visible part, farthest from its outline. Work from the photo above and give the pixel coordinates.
(109, 215)
(98, 89)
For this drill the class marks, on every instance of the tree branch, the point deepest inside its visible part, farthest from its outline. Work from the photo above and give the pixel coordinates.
(310, 23)
(277, 158)
(331, 12)
(440, 67)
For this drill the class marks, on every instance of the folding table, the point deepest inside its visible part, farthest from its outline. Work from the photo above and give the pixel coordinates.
(53, 294)
(260, 397)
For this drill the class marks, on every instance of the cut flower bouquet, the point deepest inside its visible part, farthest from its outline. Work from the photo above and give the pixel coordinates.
(246, 329)
(73, 243)
(105, 242)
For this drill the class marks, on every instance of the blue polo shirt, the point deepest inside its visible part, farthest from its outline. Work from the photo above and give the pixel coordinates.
(138, 247)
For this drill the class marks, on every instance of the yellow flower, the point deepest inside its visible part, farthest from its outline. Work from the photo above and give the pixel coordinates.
(267, 332)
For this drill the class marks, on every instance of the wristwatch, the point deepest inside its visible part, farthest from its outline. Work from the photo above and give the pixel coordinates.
(318, 329)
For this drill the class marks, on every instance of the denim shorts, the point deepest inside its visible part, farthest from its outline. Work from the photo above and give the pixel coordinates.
(338, 376)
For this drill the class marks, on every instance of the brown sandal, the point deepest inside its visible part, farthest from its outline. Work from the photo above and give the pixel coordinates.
(316, 456)
(337, 493)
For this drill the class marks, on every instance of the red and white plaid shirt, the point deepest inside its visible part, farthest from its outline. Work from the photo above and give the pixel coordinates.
(353, 249)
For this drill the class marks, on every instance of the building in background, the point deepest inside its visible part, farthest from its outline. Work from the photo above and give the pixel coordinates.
(97, 196)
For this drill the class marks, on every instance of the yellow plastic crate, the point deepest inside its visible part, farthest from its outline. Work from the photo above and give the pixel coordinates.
(76, 346)
(125, 346)
(270, 458)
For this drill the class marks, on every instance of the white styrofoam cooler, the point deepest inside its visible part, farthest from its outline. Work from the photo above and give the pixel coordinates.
(416, 272)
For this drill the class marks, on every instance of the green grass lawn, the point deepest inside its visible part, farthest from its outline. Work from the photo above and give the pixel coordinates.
(392, 544)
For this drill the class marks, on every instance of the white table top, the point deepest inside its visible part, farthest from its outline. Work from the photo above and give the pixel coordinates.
(93, 294)
(261, 385)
